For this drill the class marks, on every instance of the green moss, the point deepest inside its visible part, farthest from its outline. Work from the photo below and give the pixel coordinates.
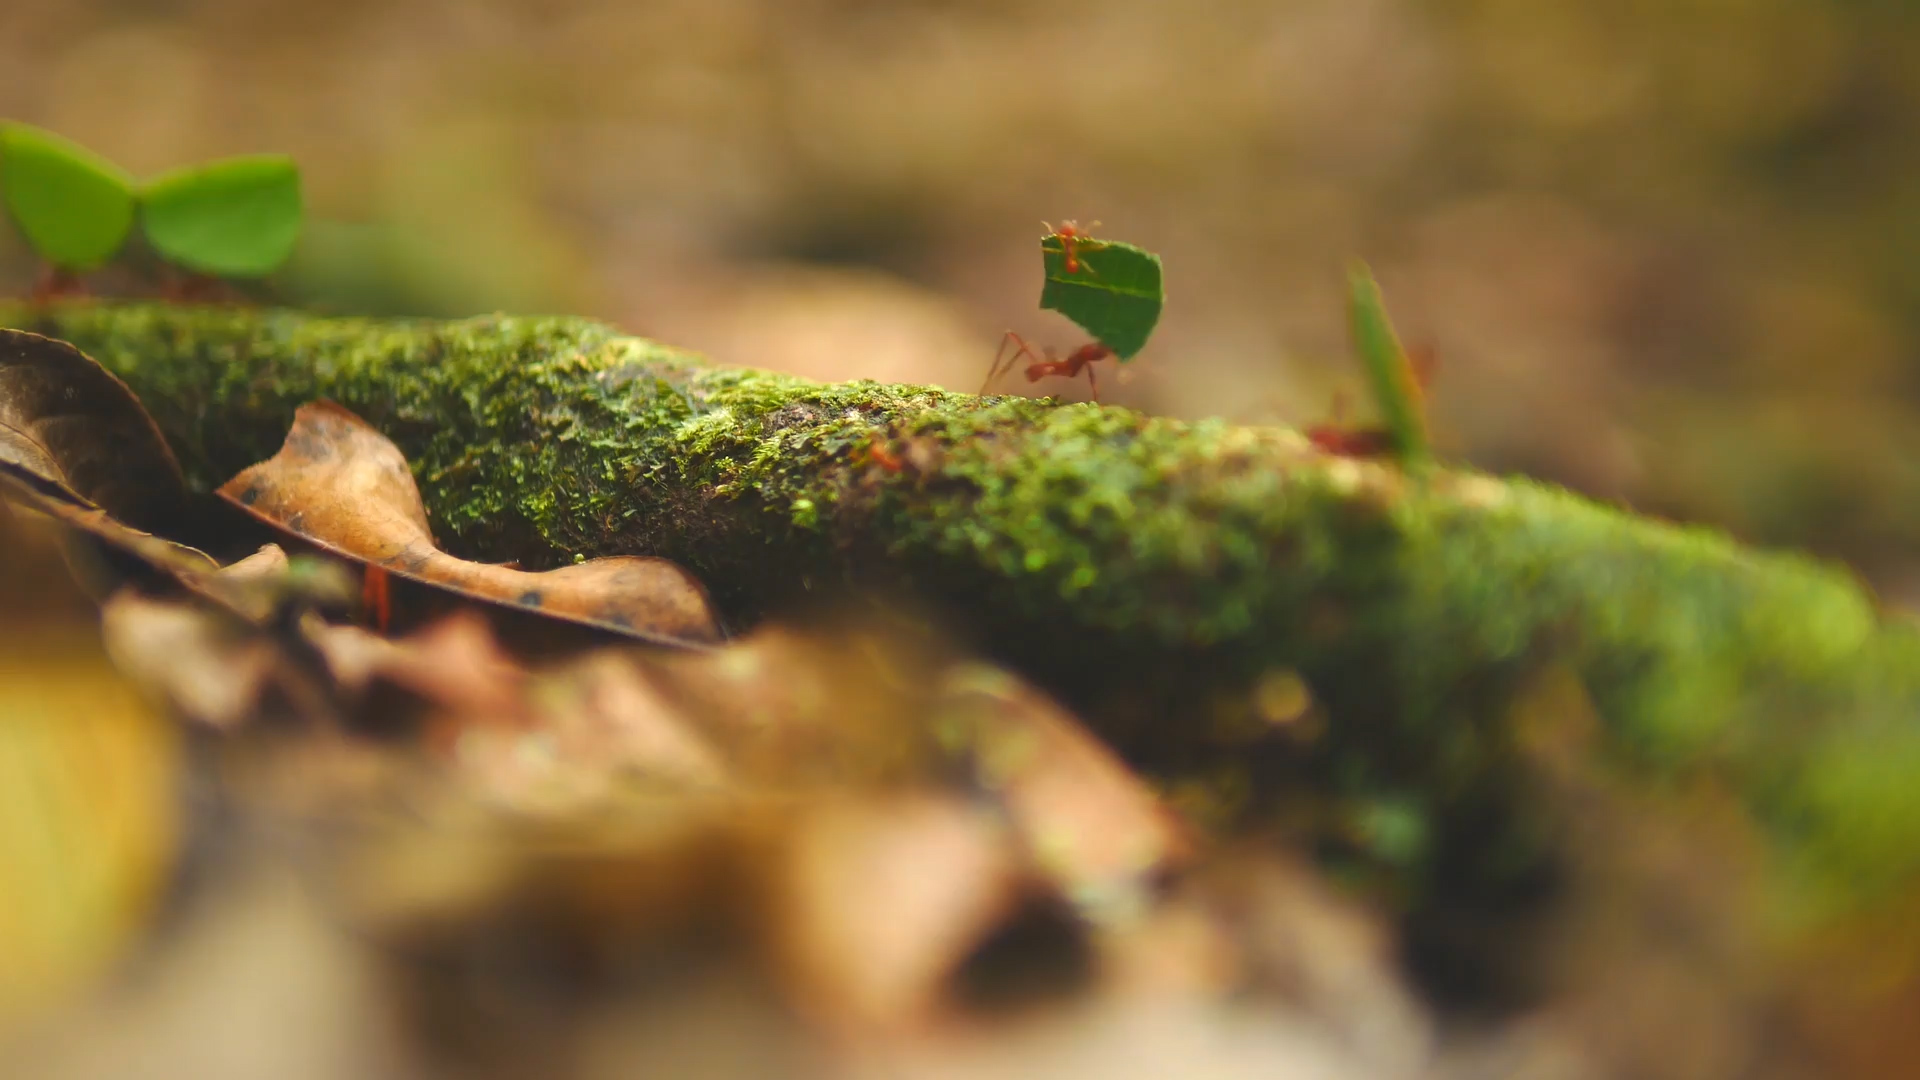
(1143, 568)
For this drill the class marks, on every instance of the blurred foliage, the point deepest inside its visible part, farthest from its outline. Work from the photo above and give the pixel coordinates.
(72, 206)
(88, 800)
(239, 217)
(1668, 252)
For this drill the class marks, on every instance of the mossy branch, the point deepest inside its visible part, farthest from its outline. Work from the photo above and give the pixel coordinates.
(1181, 583)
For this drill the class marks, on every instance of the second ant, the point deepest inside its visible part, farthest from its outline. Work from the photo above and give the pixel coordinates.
(1073, 241)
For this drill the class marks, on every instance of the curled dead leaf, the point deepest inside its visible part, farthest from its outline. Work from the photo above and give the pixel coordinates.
(452, 666)
(601, 725)
(210, 661)
(792, 708)
(157, 553)
(68, 424)
(873, 904)
(342, 486)
(1094, 829)
(76, 445)
(206, 668)
(232, 648)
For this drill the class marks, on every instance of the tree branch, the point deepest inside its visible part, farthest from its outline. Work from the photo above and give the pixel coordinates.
(1222, 602)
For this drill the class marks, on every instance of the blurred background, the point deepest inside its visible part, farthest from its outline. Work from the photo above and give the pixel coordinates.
(1667, 252)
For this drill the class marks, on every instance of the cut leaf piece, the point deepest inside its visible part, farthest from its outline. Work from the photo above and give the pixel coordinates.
(1396, 389)
(237, 218)
(1114, 294)
(74, 206)
(342, 486)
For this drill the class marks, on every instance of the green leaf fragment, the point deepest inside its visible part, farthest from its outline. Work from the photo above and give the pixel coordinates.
(1396, 391)
(74, 206)
(1114, 294)
(238, 217)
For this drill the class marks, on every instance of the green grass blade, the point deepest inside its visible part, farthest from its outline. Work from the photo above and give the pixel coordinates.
(74, 206)
(1118, 303)
(238, 217)
(1396, 392)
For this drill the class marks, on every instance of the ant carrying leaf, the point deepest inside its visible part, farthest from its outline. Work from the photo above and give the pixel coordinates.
(1337, 436)
(1398, 383)
(1112, 290)
(234, 218)
(74, 206)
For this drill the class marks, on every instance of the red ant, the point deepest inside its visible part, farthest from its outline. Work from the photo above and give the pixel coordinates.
(1074, 239)
(879, 453)
(57, 284)
(1045, 363)
(1334, 437)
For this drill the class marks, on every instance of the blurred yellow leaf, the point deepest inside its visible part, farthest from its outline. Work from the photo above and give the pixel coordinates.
(88, 819)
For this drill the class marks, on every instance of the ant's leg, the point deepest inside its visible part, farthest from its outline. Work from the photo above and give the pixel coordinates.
(994, 369)
(1094, 383)
(999, 367)
(56, 284)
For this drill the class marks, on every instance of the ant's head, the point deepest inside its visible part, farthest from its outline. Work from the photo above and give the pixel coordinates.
(1069, 229)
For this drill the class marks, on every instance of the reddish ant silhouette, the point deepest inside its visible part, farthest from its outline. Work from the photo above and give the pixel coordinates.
(1045, 363)
(57, 284)
(881, 454)
(1334, 437)
(1073, 240)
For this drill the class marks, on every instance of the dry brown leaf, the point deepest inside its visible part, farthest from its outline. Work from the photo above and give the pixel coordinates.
(69, 424)
(536, 741)
(1094, 829)
(452, 666)
(339, 484)
(207, 668)
(599, 725)
(788, 707)
(874, 903)
(76, 445)
(176, 560)
(212, 662)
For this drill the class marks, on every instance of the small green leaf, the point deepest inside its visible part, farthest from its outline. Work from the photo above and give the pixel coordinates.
(238, 217)
(74, 206)
(1115, 294)
(1396, 392)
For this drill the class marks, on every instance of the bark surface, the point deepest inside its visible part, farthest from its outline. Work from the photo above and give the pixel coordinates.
(1326, 642)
